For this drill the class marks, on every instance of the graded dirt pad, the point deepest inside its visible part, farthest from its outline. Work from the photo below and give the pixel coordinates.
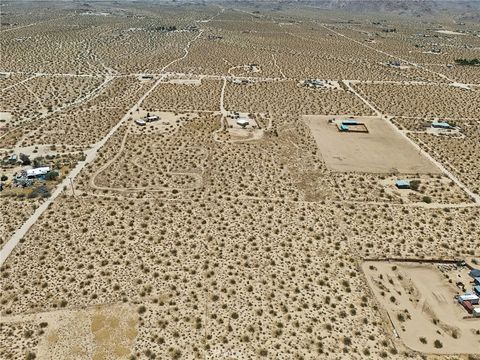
(381, 150)
(420, 302)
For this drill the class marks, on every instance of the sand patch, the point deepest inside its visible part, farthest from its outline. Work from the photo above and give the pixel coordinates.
(99, 333)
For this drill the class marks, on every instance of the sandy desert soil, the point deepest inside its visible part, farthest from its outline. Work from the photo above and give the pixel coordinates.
(190, 238)
(420, 302)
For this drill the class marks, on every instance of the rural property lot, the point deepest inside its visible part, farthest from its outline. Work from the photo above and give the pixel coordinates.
(421, 304)
(171, 186)
(379, 151)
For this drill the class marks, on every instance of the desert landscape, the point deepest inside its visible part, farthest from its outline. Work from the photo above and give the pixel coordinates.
(239, 180)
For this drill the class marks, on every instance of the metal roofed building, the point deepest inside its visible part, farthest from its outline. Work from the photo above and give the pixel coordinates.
(472, 298)
(441, 125)
(476, 312)
(474, 273)
(402, 184)
(243, 122)
(38, 172)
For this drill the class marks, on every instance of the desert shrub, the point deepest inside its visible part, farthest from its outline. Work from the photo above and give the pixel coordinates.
(415, 184)
(427, 199)
(51, 175)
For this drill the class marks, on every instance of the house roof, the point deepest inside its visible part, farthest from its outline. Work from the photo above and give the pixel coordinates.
(440, 123)
(474, 273)
(468, 297)
(38, 171)
(242, 121)
(402, 183)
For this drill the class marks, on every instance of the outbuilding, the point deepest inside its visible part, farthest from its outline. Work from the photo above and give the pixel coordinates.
(476, 280)
(151, 118)
(343, 127)
(472, 298)
(476, 312)
(38, 173)
(12, 159)
(477, 289)
(243, 122)
(402, 184)
(441, 125)
(474, 273)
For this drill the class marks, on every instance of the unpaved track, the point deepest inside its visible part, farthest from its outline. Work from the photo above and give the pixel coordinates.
(89, 96)
(19, 83)
(91, 155)
(443, 76)
(476, 198)
(278, 67)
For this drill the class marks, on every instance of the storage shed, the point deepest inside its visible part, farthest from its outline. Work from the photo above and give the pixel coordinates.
(243, 122)
(472, 298)
(474, 273)
(402, 184)
(476, 312)
(12, 159)
(441, 125)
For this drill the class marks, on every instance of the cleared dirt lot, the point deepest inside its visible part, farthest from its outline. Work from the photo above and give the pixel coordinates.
(420, 302)
(379, 151)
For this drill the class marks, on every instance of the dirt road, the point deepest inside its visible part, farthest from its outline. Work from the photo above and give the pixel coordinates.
(452, 177)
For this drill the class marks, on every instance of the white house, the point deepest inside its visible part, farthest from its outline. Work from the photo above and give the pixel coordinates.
(243, 122)
(41, 171)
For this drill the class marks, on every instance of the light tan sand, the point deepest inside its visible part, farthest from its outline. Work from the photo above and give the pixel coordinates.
(425, 299)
